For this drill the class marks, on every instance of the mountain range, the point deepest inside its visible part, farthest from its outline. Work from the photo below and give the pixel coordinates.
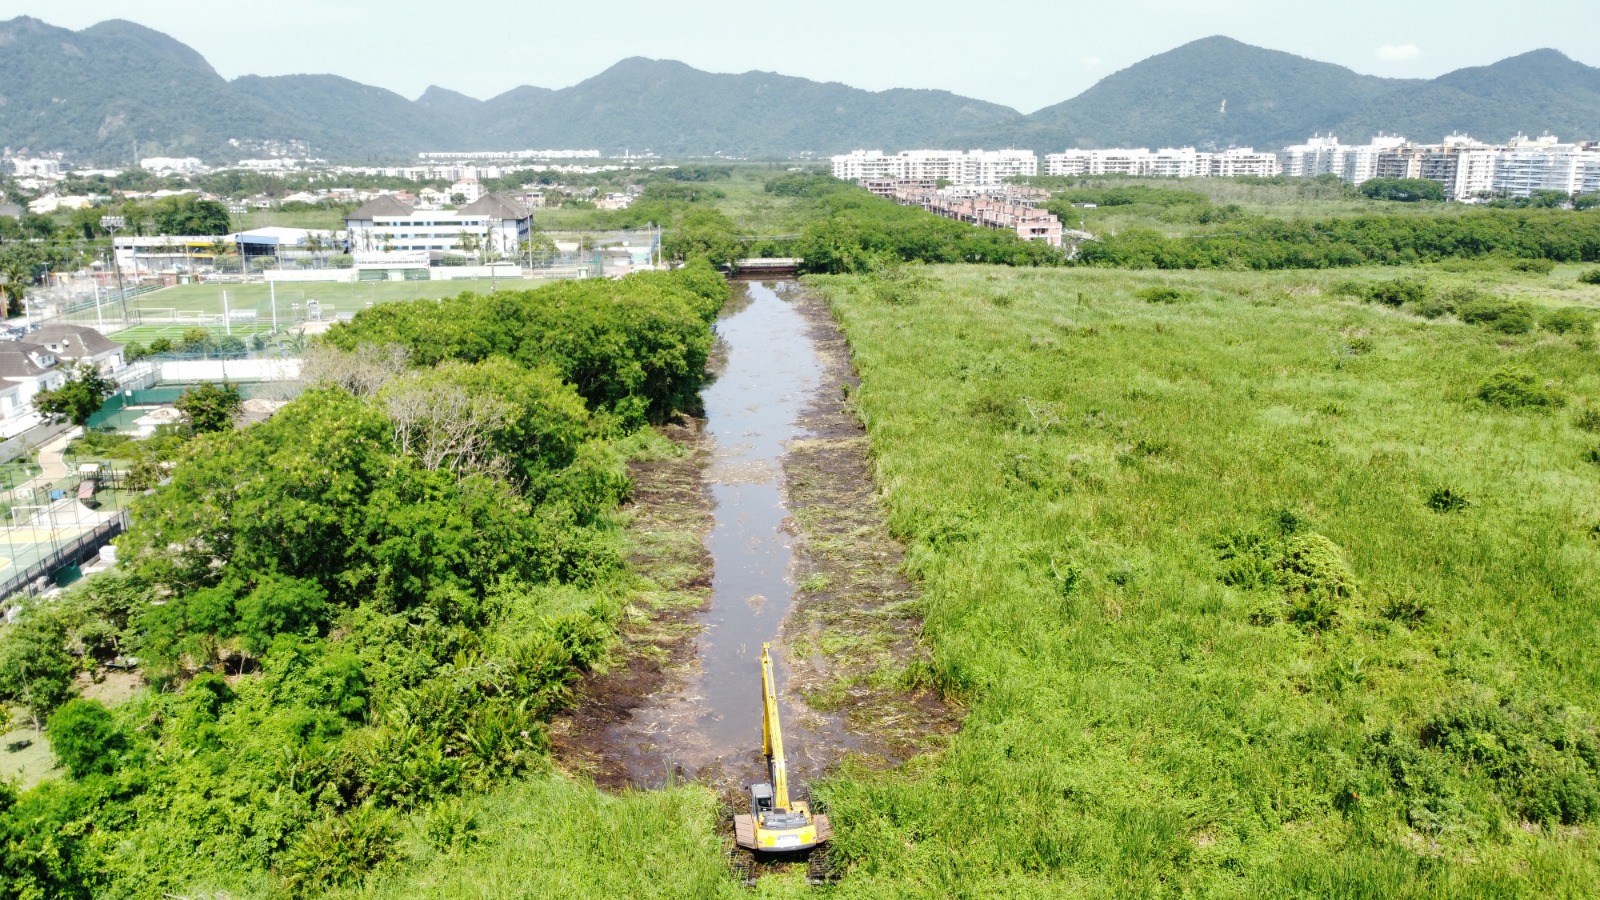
(117, 88)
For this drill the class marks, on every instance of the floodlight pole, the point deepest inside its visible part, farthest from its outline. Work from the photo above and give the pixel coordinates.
(111, 224)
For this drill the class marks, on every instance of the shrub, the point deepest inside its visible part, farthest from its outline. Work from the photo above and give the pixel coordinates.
(1545, 758)
(1447, 500)
(1504, 316)
(1536, 266)
(337, 850)
(1399, 292)
(1592, 276)
(1513, 388)
(1161, 295)
(1568, 320)
(1407, 609)
(1316, 578)
(85, 738)
(1587, 419)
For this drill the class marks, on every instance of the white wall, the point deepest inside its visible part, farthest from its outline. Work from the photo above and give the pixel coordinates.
(311, 274)
(230, 370)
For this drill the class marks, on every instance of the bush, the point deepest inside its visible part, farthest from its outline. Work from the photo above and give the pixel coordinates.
(1592, 276)
(1447, 500)
(341, 261)
(1567, 320)
(1513, 388)
(1316, 578)
(1399, 292)
(1535, 266)
(337, 850)
(85, 738)
(1403, 190)
(1161, 295)
(1498, 314)
(1587, 419)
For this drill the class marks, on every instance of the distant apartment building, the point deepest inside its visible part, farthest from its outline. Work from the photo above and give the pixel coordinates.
(1467, 168)
(171, 165)
(1168, 162)
(493, 222)
(1354, 164)
(510, 155)
(1527, 165)
(35, 168)
(977, 167)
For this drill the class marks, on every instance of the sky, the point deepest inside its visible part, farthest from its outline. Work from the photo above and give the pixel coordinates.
(1025, 56)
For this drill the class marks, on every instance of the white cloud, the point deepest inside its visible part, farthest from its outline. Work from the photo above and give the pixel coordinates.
(1090, 62)
(1397, 53)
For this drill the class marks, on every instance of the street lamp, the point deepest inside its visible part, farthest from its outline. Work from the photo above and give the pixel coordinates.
(111, 224)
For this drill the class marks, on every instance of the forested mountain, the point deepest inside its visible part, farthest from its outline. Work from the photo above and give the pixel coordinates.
(95, 92)
(1216, 92)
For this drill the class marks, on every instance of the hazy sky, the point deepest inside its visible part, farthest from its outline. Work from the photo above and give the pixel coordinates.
(1024, 55)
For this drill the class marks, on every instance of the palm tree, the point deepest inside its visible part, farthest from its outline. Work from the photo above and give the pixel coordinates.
(14, 288)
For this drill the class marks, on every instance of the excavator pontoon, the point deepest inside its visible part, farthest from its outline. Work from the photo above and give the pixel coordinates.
(776, 822)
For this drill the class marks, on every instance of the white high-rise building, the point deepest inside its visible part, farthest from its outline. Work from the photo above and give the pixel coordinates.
(976, 167)
(1168, 162)
(1326, 156)
(1538, 164)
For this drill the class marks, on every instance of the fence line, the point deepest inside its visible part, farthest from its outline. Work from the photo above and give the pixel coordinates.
(67, 554)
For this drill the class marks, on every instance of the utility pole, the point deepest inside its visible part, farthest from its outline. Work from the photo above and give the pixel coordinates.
(111, 224)
(494, 273)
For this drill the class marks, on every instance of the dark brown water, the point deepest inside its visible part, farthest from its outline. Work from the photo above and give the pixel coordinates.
(712, 729)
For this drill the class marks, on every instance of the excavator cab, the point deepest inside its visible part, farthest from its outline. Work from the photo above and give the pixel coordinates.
(776, 823)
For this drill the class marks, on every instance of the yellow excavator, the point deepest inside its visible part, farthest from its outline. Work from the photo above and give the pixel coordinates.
(776, 823)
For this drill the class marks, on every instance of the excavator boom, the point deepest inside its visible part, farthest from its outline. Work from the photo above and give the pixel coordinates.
(772, 732)
(776, 822)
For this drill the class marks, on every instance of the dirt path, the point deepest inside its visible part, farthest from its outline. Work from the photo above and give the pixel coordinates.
(647, 720)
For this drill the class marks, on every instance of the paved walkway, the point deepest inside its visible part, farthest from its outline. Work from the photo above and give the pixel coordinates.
(53, 463)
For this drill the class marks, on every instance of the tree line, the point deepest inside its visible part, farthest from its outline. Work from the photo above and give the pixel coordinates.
(1378, 239)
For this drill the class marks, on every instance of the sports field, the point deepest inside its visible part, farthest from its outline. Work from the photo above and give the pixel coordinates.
(173, 331)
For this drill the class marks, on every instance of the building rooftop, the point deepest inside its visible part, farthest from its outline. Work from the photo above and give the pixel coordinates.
(497, 205)
(381, 205)
(17, 359)
(74, 341)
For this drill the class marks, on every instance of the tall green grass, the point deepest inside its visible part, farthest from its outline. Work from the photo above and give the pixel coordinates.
(555, 838)
(1064, 459)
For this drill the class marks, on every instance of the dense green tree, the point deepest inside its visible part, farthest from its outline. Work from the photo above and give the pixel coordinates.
(1403, 190)
(189, 215)
(84, 738)
(704, 232)
(36, 671)
(78, 398)
(210, 407)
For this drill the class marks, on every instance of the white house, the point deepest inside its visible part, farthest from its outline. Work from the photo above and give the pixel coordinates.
(25, 370)
(79, 343)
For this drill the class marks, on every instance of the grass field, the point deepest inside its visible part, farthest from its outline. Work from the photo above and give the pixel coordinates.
(1249, 593)
(206, 300)
(144, 334)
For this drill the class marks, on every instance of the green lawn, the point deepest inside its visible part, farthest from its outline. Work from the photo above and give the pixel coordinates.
(144, 334)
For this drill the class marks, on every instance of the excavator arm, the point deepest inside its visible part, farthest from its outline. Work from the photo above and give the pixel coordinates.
(776, 821)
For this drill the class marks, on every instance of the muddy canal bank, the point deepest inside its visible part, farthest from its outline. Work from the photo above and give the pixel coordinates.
(767, 529)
